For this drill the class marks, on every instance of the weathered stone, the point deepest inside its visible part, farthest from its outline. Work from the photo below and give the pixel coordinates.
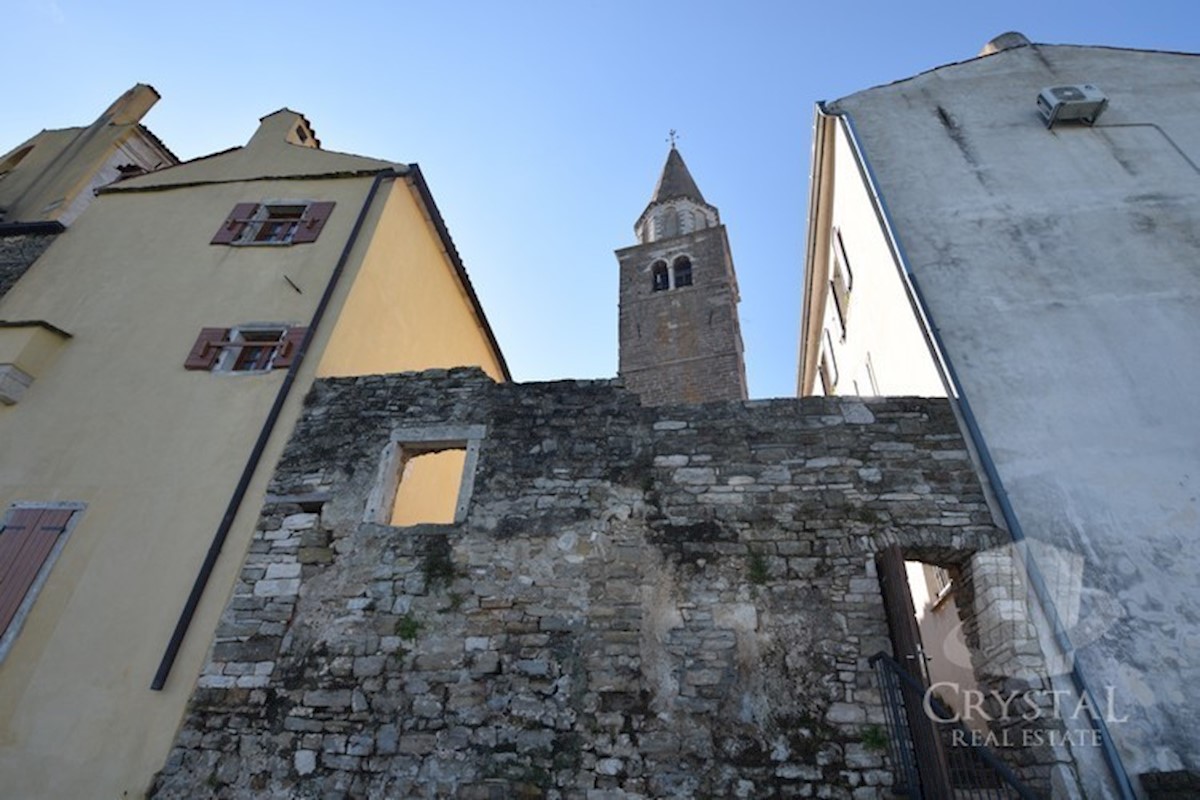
(305, 761)
(618, 608)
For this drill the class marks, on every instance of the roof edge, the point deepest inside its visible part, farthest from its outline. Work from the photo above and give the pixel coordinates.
(833, 104)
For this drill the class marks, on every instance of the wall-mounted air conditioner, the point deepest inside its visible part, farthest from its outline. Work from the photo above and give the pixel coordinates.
(1082, 102)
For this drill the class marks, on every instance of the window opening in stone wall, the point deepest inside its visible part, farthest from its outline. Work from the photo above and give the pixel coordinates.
(426, 474)
(661, 277)
(683, 272)
(429, 486)
(944, 647)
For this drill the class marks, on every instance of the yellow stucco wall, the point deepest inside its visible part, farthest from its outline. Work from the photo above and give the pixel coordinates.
(429, 487)
(30, 347)
(155, 450)
(407, 310)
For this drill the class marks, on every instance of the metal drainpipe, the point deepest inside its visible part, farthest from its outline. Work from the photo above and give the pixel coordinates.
(239, 493)
(956, 395)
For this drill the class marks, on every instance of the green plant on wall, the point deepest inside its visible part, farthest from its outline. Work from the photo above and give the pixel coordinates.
(758, 568)
(407, 627)
(875, 738)
(438, 565)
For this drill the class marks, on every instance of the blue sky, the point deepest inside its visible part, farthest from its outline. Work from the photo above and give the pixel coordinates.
(541, 126)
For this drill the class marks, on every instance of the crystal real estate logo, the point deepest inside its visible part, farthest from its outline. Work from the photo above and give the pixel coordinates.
(1032, 613)
(1026, 706)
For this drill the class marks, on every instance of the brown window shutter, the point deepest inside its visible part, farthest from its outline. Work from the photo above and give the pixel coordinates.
(25, 541)
(314, 220)
(206, 349)
(232, 227)
(289, 347)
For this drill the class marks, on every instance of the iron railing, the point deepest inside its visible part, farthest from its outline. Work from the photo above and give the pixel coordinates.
(975, 771)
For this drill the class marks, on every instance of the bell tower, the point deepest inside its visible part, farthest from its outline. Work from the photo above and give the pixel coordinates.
(680, 341)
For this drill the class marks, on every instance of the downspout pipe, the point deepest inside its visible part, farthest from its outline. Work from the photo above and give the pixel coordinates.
(950, 377)
(260, 444)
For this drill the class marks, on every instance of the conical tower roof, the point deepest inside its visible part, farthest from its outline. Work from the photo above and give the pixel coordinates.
(676, 181)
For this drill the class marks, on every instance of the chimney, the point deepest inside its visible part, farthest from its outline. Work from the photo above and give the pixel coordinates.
(130, 107)
(1005, 41)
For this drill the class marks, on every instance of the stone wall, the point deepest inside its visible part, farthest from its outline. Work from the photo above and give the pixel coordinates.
(640, 602)
(17, 254)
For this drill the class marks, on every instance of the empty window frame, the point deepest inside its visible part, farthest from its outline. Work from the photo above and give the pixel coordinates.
(31, 537)
(274, 222)
(426, 476)
(251, 348)
(682, 271)
(660, 277)
(678, 275)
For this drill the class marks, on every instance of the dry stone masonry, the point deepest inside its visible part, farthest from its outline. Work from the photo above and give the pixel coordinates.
(641, 602)
(20, 246)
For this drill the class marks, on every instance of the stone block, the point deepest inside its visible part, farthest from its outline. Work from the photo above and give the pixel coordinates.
(277, 588)
(305, 762)
(327, 698)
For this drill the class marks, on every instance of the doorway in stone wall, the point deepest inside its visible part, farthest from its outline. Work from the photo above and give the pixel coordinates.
(938, 729)
(918, 755)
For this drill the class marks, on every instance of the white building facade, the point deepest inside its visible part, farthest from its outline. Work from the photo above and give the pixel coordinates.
(1048, 279)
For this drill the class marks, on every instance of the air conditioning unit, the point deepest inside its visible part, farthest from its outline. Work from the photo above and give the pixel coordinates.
(1082, 102)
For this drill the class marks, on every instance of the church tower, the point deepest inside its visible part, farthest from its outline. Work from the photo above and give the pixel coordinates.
(679, 336)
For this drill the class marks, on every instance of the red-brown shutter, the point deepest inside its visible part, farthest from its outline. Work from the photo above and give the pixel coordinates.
(25, 542)
(289, 347)
(314, 220)
(232, 227)
(206, 349)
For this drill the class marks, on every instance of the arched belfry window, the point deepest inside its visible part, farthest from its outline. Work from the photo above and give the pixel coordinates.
(661, 278)
(683, 271)
(670, 223)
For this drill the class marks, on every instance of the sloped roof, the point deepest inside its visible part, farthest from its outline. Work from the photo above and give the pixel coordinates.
(676, 181)
(268, 154)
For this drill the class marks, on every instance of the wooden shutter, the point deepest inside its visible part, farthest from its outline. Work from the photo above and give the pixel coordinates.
(290, 347)
(233, 225)
(314, 220)
(206, 349)
(25, 541)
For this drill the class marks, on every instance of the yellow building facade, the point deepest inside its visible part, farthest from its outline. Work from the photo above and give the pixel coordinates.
(171, 334)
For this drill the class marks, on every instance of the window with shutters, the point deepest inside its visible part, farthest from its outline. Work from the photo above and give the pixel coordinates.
(274, 222)
(841, 281)
(251, 348)
(31, 537)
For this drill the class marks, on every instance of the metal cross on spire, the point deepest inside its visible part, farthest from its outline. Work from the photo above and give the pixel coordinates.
(672, 134)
